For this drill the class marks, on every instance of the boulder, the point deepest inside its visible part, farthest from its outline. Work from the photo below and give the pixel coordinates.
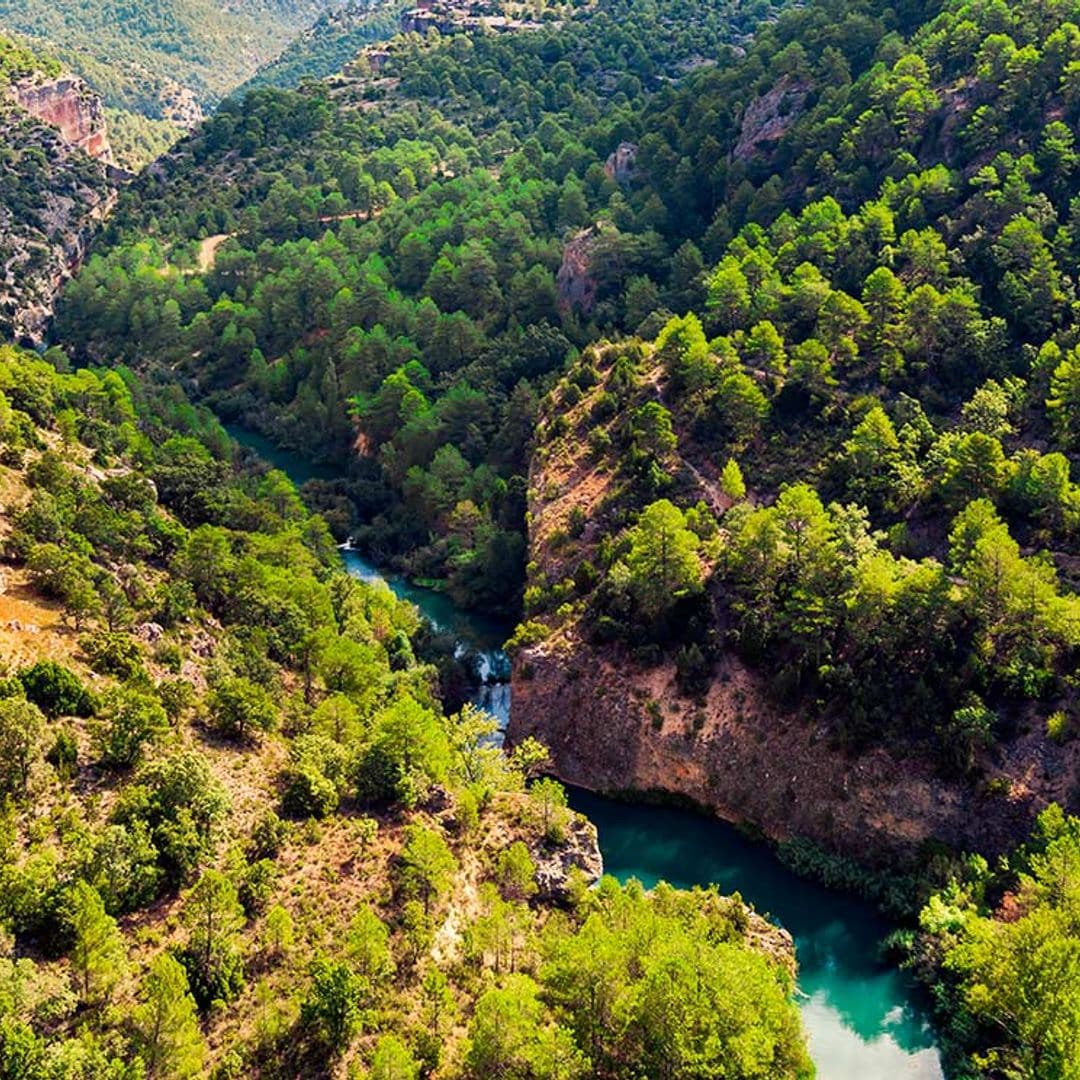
(579, 850)
(621, 165)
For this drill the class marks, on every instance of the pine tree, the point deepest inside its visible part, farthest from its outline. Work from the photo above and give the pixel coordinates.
(167, 1030)
(732, 483)
(97, 956)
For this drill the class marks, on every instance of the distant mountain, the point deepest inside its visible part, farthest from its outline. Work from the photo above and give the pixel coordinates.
(167, 60)
(328, 45)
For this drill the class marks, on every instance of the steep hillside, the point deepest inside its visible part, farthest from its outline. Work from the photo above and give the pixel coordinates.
(160, 67)
(240, 835)
(426, 192)
(806, 551)
(673, 701)
(330, 43)
(55, 186)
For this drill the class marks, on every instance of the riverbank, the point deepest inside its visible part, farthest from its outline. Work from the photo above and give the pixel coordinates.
(864, 1019)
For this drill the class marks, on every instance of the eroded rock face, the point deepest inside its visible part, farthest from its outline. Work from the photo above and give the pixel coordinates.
(768, 118)
(621, 165)
(615, 727)
(579, 851)
(68, 104)
(576, 285)
(59, 171)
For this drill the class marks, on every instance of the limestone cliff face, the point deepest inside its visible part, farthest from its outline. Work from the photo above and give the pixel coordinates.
(575, 281)
(768, 118)
(68, 104)
(615, 727)
(59, 184)
(614, 724)
(621, 165)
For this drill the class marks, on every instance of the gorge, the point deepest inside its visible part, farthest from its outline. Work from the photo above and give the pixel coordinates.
(863, 1018)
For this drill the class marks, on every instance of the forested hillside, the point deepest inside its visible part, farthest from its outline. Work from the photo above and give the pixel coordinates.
(734, 345)
(161, 61)
(397, 259)
(873, 390)
(329, 44)
(240, 836)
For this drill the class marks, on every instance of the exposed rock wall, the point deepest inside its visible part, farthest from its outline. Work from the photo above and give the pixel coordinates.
(621, 165)
(59, 183)
(575, 281)
(768, 118)
(68, 104)
(614, 727)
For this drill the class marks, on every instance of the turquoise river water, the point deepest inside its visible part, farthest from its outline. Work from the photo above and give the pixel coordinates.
(864, 1019)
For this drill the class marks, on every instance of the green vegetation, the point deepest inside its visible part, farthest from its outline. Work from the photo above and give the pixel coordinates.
(18, 62)
(405, 273)
(862, 409)
(137, 139)
(138, 54)
(1001, 953)
(329, 44)
(206, 663)
(796, 377)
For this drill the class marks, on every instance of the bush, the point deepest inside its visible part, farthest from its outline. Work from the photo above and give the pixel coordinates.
(63, 755)
(256, 885)
(267, 836)
(238, 707)
(380, 778)
(307, 793)
(128, 721)
(57, 690)
(1058, 727)
(113, 654)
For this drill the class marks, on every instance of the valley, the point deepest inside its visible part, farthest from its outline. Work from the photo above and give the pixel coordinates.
(674, 401)
(862, 1017)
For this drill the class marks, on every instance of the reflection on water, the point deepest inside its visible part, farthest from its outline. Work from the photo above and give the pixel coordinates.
(863, 1018)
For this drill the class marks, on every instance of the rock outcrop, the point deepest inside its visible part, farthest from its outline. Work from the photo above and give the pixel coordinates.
(69, 105)
(767, 119)
(621, 165)
(59, 183)
(575, 282)
(578, 853)
(615, 727)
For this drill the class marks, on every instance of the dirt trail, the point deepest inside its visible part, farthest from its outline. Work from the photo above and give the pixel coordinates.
(208, 250)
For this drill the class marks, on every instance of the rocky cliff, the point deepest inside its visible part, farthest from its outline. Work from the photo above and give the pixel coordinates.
(69, 105)
(575, 280)
(768, 118)
(57, 185)
(617, 724)
(621, 165)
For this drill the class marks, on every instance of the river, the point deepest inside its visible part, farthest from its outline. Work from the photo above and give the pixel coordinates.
(864, 1019)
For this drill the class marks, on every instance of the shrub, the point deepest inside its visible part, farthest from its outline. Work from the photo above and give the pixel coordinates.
(256, 885)
(1058, 727)
(307, 792)
(63, 755)
(113, 654)
(267, 836)
(127, 722)
(57, 690)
